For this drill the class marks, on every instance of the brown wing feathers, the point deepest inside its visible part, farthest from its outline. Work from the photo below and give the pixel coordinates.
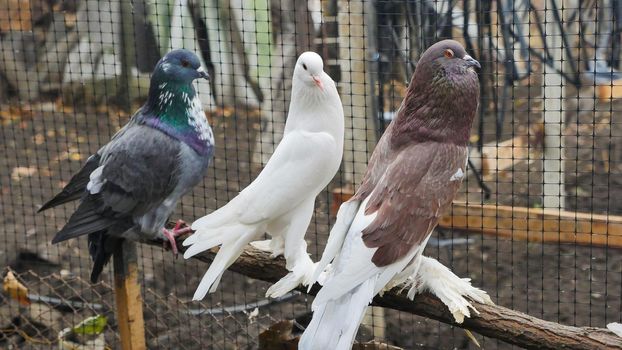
(409, 198)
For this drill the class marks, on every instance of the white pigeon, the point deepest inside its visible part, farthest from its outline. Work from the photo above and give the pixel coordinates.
(412, 177)
(281, 199)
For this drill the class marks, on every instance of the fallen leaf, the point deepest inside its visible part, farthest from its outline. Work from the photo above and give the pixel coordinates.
(70, 154)
(15, 289)
(75, 156)
(21, 172)
(39, 139)
(91, 326)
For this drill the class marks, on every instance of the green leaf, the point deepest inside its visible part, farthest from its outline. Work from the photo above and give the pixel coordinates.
(91, 326)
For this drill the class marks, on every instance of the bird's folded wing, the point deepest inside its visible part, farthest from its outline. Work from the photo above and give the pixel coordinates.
(137, 171)
(76, 186)
(294, 172)
(416, 188)
(395, 218)
(144, 164)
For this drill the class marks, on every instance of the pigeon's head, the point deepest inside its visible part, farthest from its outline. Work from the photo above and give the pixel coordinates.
(310, 70)
(179, 65)
(442, 97)
(446, 59)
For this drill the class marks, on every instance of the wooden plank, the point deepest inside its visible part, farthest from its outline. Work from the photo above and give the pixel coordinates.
(536, 225)
(504, 155)
(128, 298)
(610, 91)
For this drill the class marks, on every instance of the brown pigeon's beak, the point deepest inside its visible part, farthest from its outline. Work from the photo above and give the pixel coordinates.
(318, 82)
(202, 73)
(472, 61)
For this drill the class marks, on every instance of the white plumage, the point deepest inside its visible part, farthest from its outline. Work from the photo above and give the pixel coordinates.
(351, 284)
(281, 199)
(412, 177)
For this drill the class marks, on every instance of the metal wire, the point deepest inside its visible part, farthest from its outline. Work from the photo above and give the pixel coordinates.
(63, 95)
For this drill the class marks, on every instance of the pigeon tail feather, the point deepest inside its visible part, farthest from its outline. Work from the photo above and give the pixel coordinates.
(220, 217)
(345, 216)
(76, 186)
(84, 220)
(335, 323)
(101, 248)
(232, 241)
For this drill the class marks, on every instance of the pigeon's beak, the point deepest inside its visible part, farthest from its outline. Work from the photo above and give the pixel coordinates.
(472, 62)
(318, 82)
(202, 73)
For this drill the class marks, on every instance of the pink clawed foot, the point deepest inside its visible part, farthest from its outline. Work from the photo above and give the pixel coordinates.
(176, 232)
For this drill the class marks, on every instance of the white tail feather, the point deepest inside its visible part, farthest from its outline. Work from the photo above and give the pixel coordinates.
(232, 244)
(220, 217)
(345, 216)
(335, 323)
(208, 243)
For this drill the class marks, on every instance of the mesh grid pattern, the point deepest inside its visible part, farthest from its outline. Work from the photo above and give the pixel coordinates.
(547, 135)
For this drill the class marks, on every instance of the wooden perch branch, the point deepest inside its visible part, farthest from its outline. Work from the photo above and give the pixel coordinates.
(493, 321)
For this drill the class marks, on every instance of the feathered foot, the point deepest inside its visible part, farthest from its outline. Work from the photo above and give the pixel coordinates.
(452, 290)
(302, 273)
(177, 231)
(273, 246)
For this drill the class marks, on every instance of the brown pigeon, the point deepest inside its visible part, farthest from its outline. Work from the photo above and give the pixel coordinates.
(412, 177)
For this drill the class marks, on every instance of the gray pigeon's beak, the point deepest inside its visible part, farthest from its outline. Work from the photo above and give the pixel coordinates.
(472, 61)
(202, 73)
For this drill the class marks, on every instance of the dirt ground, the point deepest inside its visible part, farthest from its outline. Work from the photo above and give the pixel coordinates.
(41, 147)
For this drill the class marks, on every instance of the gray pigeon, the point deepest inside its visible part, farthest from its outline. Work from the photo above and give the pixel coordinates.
(130, 187)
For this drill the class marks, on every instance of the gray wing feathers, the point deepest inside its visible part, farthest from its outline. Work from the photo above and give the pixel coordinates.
(76, 186)
(143, 164)
(139, 172)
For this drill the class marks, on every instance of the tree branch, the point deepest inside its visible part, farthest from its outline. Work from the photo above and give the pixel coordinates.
(493, 321)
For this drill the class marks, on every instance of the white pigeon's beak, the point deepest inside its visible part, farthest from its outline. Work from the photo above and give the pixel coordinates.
(318, 82)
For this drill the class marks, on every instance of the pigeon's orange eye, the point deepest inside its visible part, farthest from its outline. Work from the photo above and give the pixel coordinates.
(448, 53)
(185, 63)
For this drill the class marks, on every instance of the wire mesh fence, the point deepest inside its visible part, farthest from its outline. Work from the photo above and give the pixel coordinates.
(535, 224)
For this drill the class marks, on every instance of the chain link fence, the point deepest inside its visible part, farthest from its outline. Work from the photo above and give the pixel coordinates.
(547, 141)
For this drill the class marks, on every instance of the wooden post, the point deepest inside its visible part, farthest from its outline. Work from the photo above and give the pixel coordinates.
(355, 88)
(128, 57)
(128, 298)
(553, 164)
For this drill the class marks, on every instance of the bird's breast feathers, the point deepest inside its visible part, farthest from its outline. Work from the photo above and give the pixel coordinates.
(198, 120)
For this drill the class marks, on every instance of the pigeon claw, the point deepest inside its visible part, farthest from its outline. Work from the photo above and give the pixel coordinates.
(179, 224)
(177, 231)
